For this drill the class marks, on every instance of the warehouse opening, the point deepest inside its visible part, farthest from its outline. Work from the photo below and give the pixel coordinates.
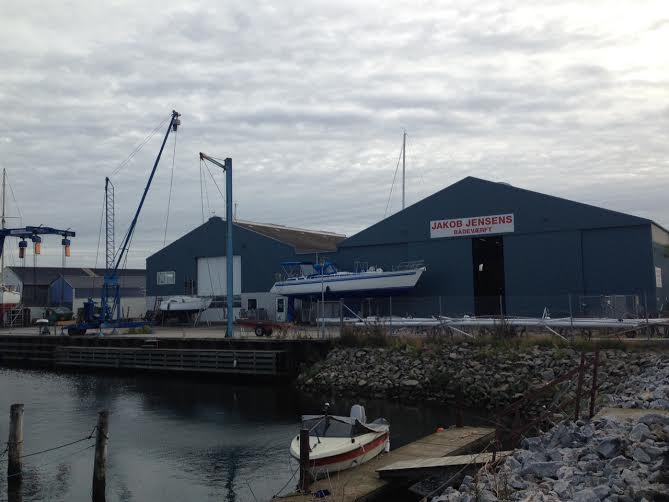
(488, 261)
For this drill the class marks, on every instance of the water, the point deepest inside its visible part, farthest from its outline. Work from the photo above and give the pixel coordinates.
(171, 438)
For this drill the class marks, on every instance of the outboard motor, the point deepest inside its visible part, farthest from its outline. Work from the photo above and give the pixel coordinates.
(358, 412)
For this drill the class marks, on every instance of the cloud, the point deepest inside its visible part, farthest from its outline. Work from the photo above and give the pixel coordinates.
(310, 101)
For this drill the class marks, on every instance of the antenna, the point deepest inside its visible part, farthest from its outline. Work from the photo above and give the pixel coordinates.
(404, 160)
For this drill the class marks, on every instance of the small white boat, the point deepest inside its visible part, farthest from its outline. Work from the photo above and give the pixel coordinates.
(307, 278)
(337, 443)
(185, 304)
(9, 298)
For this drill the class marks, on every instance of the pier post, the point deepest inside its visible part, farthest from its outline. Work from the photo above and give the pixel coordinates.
(341, 316)
(305, 475)
(100, 466)
(15, 444)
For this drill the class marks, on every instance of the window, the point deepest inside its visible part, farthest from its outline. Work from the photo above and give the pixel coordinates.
(280, 306)
(251, 304)
(165, 278)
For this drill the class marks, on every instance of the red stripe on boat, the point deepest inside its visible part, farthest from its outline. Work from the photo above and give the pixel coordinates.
(350, 454)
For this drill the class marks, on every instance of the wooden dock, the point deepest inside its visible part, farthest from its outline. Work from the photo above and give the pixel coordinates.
(363, 483)
(427, 466)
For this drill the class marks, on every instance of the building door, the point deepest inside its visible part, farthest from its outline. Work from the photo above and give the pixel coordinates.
(488, 261)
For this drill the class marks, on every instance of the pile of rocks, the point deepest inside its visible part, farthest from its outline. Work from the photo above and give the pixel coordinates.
(650, 390)
(492, 376)
(605, 459)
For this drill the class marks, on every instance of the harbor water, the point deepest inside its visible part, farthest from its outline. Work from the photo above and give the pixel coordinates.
(171, 438)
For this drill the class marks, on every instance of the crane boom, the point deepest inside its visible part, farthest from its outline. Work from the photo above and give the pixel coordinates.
(110, 285)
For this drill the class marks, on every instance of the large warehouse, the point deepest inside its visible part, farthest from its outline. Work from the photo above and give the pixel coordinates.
(488, 247)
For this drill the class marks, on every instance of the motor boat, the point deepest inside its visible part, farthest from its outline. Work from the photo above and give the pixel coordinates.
(185, 304)
(337, 443)
(303, 278)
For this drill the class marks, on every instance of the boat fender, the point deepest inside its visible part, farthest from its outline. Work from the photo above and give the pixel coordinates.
(387, 447)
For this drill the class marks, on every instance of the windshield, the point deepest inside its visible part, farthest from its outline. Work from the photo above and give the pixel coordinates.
(330, 427)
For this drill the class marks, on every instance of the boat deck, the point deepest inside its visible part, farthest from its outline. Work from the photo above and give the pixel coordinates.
(362, 483)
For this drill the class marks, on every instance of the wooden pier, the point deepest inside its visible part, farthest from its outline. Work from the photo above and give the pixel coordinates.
(364, 483)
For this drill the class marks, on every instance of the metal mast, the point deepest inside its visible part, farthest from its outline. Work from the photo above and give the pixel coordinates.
(109, 223)
(229, 293)
(2, 255)
(404, 159)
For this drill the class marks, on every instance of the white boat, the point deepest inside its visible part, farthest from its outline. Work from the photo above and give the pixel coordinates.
(9, 298)
(337, 443)
(185, 304)
(307, 278)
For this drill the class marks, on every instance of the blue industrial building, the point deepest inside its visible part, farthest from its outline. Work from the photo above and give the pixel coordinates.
(488, 247)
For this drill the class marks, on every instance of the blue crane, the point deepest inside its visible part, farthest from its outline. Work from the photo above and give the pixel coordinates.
(110, 298)
(33, 233)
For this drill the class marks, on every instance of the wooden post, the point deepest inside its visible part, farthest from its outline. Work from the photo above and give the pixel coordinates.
(459, 404)
(15, 443)
(593, 390)
(305, 475)
(100, 466)
(579, 387)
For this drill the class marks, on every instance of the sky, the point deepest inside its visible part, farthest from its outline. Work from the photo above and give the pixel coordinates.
(310, 100)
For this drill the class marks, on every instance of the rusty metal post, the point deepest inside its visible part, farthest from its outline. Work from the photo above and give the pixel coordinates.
(515, 427)
(305, 475)
(459, 404)
(579, 387)
(593, 390)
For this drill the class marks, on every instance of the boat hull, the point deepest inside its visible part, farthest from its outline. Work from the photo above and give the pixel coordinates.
(185, 304)
(329, 455)
(349, 284)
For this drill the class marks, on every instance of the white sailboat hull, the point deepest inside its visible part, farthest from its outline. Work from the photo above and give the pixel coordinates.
(349, 283)
(185, 304)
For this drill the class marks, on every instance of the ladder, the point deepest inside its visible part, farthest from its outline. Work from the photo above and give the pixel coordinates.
(14, 317)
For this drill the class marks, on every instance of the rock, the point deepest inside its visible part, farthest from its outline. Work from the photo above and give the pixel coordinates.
(586, 495)
(487, 496)
(640, 455)
(630, 477)
(639, 432)
(609, 447)
(410, 383)
(563, 488)
(548, 375)
(542, 469)
(660, 404)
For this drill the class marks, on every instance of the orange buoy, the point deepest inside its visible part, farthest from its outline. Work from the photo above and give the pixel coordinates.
(38, 248)
(440, 429)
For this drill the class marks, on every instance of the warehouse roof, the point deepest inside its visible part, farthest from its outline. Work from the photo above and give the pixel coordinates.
(304, 241)
(471, 197)
(44, 276)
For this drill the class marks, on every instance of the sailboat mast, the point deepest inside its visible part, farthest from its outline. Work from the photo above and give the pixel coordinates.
(404, 159)
(2, 252)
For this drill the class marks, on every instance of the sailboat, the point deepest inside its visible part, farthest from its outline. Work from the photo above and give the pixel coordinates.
(9, 297)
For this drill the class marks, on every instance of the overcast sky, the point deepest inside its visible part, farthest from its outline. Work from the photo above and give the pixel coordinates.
(310, 101)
